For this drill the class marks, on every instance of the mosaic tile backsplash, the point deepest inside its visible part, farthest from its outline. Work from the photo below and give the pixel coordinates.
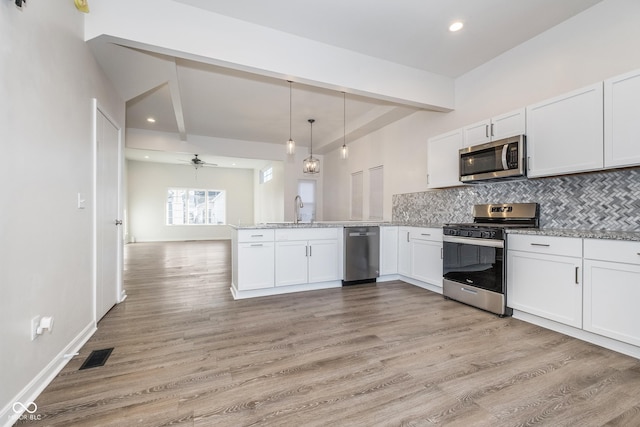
(595, 201)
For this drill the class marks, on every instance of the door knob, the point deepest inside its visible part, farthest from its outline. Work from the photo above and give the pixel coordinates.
(118, 222)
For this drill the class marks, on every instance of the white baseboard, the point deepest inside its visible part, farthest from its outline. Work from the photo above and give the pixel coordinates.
(29, 394)
(581, 334)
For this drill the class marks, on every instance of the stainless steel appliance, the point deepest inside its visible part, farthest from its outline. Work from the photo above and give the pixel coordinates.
(498, 160)
(361, 254)
(474, 268)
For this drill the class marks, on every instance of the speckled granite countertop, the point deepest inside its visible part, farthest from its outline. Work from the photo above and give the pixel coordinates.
(318, 224)
(330, 224)
(584, 234)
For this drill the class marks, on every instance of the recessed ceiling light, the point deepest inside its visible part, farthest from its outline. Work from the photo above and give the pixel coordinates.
(146, 157)
(456, 26)
(151, 120)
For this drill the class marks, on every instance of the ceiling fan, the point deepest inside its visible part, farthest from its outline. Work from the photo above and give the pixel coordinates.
(197, 162)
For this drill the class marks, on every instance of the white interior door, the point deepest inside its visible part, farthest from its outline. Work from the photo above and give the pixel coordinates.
(108, 222)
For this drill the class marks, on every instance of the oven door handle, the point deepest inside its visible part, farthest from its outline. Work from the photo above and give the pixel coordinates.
(475, 242)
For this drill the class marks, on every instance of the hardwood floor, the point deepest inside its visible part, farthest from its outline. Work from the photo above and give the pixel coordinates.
(386, 354)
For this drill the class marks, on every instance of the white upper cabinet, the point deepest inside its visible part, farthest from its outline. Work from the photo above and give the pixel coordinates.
(499, 127)
(565, 134)
(443, 169)
(622, 120)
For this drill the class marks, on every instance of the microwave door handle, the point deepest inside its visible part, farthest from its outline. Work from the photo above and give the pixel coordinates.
(505, 148)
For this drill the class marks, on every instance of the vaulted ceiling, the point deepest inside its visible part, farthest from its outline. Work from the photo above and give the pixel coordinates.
(187, 97)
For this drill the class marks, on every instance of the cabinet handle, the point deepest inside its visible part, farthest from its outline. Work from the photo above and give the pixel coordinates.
(492, 129)
(310, 247)
(256, 244)
(529, 163)
(257, 235)
(407, 236)
(427, 179)
(486, 131)
(577, 268)
(544, 245)
(441, 253)
(425, 234)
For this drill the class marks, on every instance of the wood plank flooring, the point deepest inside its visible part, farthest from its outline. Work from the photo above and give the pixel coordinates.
(387, 354)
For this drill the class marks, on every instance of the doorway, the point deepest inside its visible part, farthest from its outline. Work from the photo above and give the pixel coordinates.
(108, 223)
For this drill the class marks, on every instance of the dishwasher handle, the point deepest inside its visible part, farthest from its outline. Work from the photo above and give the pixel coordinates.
(362, 234)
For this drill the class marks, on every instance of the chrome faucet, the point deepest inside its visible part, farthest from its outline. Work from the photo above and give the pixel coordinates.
(297, 202)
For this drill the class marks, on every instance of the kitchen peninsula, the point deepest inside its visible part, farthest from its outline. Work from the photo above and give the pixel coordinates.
(285, 257)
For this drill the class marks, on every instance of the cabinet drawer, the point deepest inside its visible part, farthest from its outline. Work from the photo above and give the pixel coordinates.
(423, 233)
(255, 235)
(306, 234)
(612, 250)
(565, 246)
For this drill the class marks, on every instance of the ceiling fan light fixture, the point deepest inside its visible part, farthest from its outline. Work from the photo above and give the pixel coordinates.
(291, 144)
(311, 165)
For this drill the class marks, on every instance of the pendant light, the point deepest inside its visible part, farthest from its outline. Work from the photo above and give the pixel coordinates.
(344, 151)
(311, 165)
(291, 145)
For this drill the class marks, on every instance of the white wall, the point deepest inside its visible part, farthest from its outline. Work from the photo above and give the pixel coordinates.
(47, 80)
(599, 43)
(269, 196)
(147, 191)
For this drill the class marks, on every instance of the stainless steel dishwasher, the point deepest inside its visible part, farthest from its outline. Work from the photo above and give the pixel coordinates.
(361, 254)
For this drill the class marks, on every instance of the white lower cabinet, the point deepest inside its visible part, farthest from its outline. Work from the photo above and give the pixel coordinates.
(306, 261)
(420, 254)
(253, 255)
(612, 289)
(404, 251)
(292, 263)
(388, 250)
(426, 260)
(544, 277)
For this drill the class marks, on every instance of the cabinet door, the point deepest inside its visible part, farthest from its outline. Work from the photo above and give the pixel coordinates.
(443, 164)
(404, 251)
(564, 134)
(477, 133)
(426, 261)
(621, 120)
(509, 124)
(291, 263)
(611, 295)
(388, 250)
(323, 260)
(255, 266)
(548, 286)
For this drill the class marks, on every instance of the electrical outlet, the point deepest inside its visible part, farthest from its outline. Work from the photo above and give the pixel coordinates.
(34, 327)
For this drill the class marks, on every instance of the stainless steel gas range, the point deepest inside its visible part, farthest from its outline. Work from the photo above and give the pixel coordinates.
(474, 267)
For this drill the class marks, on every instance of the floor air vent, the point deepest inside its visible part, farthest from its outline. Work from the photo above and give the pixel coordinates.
(96, 358)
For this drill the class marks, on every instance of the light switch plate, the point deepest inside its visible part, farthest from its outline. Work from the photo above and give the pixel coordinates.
(34, 327)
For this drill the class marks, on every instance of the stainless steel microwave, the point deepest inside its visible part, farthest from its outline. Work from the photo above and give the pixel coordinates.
(497, 160)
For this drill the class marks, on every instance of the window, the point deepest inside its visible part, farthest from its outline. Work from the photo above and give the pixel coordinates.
(307, 192)
(195, 207)
(266, 175)
(356, 195)
(376, 192)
